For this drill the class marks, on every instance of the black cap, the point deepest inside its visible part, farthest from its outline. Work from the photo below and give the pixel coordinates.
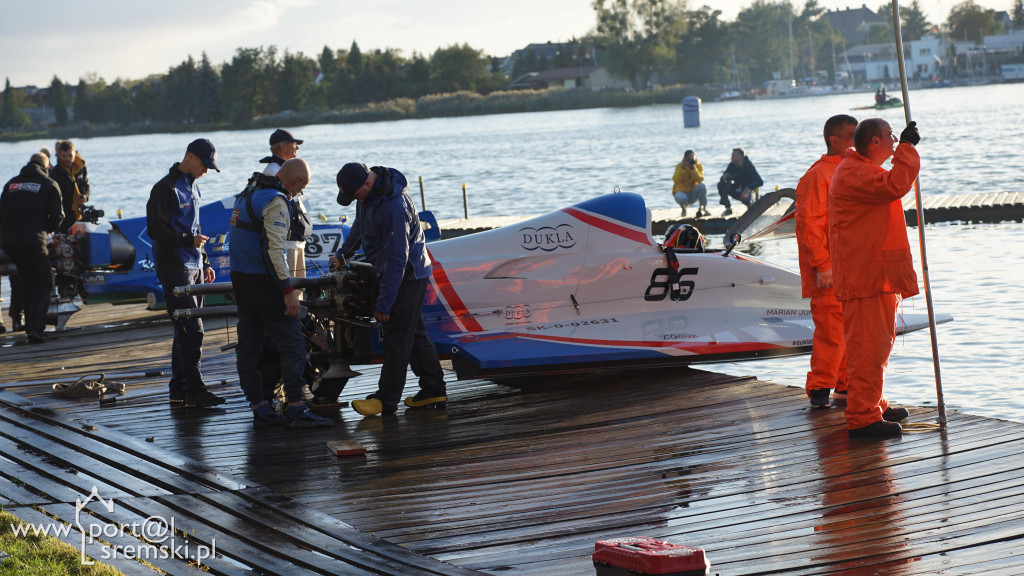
(206, 152)
(350, 178)
(280, 135)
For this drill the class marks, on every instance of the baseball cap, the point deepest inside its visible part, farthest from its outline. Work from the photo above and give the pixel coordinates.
(350, 178)
(206, 152)
(280, 135)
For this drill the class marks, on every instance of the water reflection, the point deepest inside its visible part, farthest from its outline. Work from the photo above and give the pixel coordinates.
(862, 505)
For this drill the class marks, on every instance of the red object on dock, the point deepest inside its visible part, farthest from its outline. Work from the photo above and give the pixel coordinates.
(642, 556)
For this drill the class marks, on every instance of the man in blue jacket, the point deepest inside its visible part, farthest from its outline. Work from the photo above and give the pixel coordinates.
(389, 230)
(172, 221)
(268, 308)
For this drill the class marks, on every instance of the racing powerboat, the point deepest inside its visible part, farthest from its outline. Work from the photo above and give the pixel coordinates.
(588, 287)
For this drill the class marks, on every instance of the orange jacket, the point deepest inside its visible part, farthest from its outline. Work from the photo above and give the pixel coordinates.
(868, 231)
(812, 222)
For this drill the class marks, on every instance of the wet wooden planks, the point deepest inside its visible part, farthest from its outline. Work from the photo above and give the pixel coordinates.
(524, 478)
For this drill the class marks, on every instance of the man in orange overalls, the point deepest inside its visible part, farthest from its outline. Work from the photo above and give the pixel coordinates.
(872, 265)
(828, 354)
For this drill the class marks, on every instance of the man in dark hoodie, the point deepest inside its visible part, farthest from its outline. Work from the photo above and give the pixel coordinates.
(30, 208)
(172, 221)
(389, 230)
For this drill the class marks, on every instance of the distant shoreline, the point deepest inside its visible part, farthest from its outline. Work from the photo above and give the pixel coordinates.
(435, 106)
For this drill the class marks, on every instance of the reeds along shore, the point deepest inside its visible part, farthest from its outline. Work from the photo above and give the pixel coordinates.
(463, 103)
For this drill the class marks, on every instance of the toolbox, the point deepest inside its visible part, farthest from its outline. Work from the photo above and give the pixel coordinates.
(641, 556)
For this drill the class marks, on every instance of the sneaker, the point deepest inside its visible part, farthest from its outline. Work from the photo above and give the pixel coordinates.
(424, 399)
(838, 394)
(683, 215)
(300, 416)
(202, 398)
(263, 416)
(727, 212)
(880, 429)
(372, 406)
(820, 397)
(895, 414)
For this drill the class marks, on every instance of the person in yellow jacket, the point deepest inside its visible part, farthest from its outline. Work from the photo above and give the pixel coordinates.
(688, 184)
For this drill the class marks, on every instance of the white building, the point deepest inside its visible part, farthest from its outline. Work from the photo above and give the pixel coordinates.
(879, 62)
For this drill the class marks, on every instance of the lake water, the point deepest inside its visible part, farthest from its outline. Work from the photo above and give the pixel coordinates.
(535, 162)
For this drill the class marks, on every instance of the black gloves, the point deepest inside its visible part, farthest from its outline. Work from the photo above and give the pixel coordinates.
(910, 135)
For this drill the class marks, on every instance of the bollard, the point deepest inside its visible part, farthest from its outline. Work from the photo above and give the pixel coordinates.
(691, 112)
(465, 201)
(423, 197)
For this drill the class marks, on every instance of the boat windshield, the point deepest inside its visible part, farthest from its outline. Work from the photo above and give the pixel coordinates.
(772, 217)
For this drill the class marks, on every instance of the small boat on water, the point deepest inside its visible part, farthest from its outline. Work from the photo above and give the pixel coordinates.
(890, 103)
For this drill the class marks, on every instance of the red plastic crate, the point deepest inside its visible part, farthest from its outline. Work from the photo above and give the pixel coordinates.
(642, 556)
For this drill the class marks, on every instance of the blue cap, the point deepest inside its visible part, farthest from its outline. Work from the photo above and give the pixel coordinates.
(205, 151)
(350, 178)
(280, 135)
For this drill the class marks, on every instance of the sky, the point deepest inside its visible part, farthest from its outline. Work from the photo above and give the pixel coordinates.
(132, 39)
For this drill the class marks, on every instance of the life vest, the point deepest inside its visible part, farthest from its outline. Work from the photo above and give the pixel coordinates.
(247, 240)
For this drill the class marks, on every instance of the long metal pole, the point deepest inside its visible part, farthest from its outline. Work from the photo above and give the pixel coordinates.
(920, 221)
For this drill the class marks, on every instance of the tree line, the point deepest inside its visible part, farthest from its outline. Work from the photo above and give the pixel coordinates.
(648, 42)
(665, 40)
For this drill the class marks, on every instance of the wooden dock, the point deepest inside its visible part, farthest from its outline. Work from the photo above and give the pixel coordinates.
(991, 207)
(510, 479)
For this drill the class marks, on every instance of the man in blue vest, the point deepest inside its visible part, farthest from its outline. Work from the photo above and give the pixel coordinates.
(389, 230)
(268, 307)
(172, 221)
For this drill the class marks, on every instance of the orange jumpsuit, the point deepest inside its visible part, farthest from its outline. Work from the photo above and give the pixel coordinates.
(872, 269)
(828, 353)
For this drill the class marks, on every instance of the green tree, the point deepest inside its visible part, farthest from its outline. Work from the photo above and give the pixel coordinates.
(11, 115)
(761, 38)
(83, 101)
(417, 77)
(207, 87)
(970, 21)
(915, 24)
(179, 93)
(247, 84)
(459, 68)
(115, 104)
(59, 100)
(295, 86)
(639, 36)
(701, 49)
(1018, 14)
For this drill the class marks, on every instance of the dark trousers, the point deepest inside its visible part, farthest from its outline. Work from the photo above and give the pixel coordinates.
(727, 189)
(406, 344)
(33, 263)
(187, 347)
(260, 319)
(17, 297)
